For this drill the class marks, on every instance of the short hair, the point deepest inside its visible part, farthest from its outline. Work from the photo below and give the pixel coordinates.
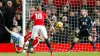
(13, 27)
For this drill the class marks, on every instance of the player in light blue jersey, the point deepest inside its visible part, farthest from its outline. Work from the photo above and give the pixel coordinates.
(18, 40)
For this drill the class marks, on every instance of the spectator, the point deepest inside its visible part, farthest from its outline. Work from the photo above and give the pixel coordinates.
(49, 5)
(53, 11)
(87, 7)
(96, 11)
(60, 16)
(9, 14)
(72, 22)
(66, 9)
(97, 24)
(19, 5)
(97, 5)
(34, 2)
(19, 19)
(32, 10)
(65, 21)
(48, 12)
(2, 8)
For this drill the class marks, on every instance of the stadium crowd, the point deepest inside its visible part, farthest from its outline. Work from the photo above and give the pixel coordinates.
(10, 15)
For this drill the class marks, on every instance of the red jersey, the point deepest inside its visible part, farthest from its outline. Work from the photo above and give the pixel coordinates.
(35, 42)
(38, 17)
(27, 36)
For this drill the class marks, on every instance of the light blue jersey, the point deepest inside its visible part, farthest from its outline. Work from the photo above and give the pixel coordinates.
(15, 37)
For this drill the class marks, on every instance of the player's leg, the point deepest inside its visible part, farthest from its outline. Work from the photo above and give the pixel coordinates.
(34, 44)
(75, 40)
(91, 40)
(43, 32)
(21, 44)
(25, 46)
(34, 34)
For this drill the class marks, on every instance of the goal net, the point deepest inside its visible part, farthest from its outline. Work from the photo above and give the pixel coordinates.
(67, 11)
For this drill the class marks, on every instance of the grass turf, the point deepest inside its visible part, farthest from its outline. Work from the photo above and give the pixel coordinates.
(55, 54)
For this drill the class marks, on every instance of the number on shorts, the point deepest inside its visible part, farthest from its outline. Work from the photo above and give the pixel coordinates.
(38, 16)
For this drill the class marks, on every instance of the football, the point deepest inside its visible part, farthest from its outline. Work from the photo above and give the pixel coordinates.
(59, 24)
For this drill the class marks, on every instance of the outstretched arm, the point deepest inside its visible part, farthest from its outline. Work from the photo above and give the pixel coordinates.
(52, 26)
(49, 22)
(8, 30)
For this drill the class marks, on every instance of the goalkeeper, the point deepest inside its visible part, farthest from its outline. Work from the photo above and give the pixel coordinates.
(84, 26)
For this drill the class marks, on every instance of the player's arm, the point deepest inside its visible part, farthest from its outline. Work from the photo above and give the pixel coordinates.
(90, 23)
(49, 21)
(8, 30)
(52, 26)
(27, 27)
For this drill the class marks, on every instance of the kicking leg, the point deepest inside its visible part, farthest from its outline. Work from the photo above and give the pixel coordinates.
(29, 47)
(49, 46)
(75, 40)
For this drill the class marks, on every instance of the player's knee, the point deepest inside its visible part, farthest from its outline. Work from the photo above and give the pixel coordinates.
(90, 38)
(75, 40)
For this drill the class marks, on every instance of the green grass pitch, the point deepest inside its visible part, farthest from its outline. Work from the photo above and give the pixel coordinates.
(55, 54)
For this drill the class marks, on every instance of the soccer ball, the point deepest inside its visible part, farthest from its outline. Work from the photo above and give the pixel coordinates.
(59, 24)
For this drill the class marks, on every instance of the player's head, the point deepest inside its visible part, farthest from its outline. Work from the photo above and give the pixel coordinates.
(38, 8)
(83, 12)
(14, 29)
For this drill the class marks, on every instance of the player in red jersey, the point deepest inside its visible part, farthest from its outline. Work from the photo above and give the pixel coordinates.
(34, 44)
(39, 28)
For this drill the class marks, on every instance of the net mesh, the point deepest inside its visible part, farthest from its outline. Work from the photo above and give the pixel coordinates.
(67, 11)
